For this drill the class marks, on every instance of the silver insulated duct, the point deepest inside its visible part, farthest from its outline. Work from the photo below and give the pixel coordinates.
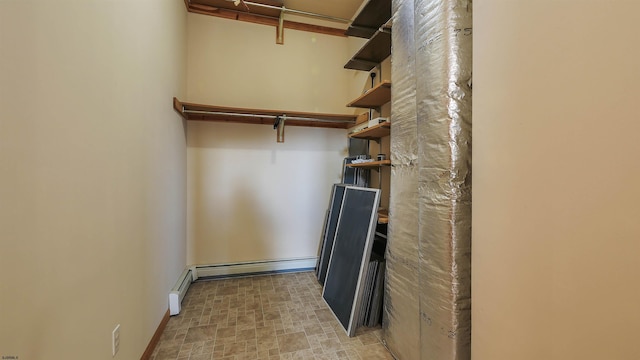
(430, 206)
(401, 320)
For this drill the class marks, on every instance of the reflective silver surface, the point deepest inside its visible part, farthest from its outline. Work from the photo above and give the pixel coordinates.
(438, 193)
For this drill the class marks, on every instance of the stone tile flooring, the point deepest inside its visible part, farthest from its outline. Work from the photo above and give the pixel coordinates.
(278, 316)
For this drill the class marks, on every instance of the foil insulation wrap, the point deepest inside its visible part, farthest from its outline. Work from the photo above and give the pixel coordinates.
(401, 322)
(443, 92)
(440, 78)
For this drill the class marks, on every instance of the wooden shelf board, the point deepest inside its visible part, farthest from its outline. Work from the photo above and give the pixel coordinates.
(359, 64)
(372, 15)
(200, 112)
(383, 216)
(374, 132)
(371, 164)
(372, 53)
(375, 97)
(361, 32)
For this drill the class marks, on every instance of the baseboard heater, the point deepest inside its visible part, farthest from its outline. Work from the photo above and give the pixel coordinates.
(195, 272)
(180, 290)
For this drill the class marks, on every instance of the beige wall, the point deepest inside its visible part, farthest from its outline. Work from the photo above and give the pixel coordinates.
(556, 197)
(250, 198)
(92, 184)
(236, 63)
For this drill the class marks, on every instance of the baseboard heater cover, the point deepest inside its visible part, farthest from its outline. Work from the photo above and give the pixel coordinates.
(194, 272)
(255, 267)
(180, 290)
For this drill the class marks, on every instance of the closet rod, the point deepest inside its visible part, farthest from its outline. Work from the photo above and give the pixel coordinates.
(299, 12)
(301, 118)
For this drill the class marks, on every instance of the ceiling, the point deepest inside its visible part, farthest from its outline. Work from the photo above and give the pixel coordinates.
(344, 9)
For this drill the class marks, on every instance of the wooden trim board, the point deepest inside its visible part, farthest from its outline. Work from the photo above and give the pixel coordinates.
(156, 337)
(262, 19)
(177, 106)
(200, 112)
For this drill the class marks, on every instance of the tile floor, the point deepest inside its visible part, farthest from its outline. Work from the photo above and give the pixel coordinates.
(278, 316)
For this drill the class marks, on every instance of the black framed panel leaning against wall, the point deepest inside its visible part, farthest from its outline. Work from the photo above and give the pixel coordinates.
(329, 231)
(352, 244)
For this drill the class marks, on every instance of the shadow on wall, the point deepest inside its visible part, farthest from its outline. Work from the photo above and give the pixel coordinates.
(250, 198)
(247, 227)
(227, 222)
(221, 135)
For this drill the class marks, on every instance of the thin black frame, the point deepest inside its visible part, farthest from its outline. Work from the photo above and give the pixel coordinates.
(340, 241)
(328, 235)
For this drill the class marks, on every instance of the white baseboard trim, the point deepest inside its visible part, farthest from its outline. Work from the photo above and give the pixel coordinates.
(254, 267)
(194, 272)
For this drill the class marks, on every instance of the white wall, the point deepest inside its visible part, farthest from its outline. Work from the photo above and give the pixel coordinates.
(92, 164)
(555, 188)
(250, 198)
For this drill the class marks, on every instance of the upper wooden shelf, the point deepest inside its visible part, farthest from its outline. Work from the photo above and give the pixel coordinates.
(191, 111)
(372, 15)
(264, 15)
(374, 97)
(373, 52)
(371, 164)
(374, 132)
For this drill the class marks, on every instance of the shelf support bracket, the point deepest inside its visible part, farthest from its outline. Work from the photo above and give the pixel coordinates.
(279, 126)
(280, 28)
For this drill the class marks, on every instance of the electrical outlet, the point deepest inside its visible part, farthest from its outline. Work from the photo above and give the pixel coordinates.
(115, 340)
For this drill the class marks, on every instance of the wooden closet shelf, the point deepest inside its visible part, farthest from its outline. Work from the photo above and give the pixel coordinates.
(200, 112)
(383, 218)
(372, 15)
(373, 133)
(373, 52)
(374, 97)
(371, 164)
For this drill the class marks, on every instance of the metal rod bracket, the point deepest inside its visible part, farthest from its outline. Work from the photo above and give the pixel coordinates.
(280, 128)
(280, 28)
